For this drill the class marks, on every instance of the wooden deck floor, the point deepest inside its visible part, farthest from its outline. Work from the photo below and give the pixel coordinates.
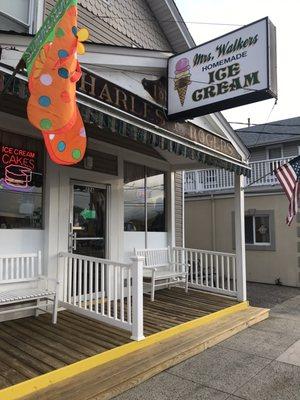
(33, 346)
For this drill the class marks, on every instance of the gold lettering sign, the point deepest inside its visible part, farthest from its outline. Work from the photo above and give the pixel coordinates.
(99, 88)
(107, 92)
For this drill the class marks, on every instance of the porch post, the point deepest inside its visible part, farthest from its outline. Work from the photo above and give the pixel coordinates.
(137, 298)
(240, 238)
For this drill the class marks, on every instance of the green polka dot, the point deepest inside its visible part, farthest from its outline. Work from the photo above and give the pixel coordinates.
(60, 32)
(76, 154)
(45, 123)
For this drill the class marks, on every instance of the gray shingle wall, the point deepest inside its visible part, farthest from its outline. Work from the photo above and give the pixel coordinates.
(131, 23)
(258, 154)
(291, 150)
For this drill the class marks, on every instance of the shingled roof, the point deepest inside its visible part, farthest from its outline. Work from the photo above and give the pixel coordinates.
(285, 130)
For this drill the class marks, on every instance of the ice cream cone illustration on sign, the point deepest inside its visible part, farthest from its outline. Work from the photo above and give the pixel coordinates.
(182, 78)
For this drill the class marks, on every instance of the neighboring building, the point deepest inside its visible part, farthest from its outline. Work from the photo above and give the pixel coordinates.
(272, 248)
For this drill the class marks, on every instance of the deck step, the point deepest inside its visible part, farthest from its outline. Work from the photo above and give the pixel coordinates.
(109, 380)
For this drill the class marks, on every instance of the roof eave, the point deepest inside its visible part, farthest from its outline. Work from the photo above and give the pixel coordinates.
(165, 11)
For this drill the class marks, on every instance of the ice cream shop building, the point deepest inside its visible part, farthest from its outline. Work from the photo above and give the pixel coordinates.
(95, 225)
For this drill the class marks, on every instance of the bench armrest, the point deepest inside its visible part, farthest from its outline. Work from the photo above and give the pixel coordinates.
(180, 263)
(47, 279)
(151, 268)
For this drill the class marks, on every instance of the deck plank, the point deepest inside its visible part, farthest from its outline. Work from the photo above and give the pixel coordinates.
(24, 346)
(122, 374)
(32, 346)
(51, 347)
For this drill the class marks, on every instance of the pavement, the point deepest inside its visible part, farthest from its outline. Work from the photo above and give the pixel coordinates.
(260, 363)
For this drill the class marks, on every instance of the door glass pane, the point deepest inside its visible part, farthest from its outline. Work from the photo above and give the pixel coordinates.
(134, 197)
(89, 221)
(155, 201)
(249, 230)
(262, 231)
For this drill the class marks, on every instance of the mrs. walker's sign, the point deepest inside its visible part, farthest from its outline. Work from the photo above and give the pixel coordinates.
(230, 71)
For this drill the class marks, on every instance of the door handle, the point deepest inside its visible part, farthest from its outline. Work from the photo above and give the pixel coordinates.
(72, 241)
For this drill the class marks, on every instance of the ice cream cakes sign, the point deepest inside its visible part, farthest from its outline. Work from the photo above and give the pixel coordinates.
(16, 168)
(235, 69)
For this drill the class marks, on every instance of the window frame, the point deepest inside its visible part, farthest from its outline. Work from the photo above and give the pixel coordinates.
(271, 246)
(146, 177)
(255, 243)
(26, 24)
(275, 146)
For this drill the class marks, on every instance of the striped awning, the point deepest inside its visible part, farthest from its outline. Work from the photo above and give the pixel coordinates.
(150, 138)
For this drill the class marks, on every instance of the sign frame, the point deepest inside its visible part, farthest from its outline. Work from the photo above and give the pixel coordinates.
(256, 95)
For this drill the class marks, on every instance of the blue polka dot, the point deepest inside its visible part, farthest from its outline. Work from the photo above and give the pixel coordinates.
(44, 101)
(63, 73)
(74, 30)
(61, 146)
(62, 53)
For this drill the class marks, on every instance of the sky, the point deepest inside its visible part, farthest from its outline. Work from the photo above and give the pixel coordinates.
(285, 16)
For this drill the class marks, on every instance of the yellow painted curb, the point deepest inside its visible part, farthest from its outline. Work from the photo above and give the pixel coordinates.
(43, 381)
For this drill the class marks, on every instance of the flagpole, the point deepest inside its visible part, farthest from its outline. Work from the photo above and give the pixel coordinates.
(258, 179)
(21, 65)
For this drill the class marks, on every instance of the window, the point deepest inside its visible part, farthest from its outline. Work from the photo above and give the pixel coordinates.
(144, 199)
(134, 197)
(21, 182)
(155, 201)
(274, 152)
(17, 15)
(257, 230)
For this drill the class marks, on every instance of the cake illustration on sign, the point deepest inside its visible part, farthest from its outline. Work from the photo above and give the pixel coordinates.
(182, 78)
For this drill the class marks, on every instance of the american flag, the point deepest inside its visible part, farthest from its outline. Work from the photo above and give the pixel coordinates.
(289, 177)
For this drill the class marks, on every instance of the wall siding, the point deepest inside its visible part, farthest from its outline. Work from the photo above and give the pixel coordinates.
(178, 209)
(258, 154)
(263, 266)
(130, 23)
(290, 150)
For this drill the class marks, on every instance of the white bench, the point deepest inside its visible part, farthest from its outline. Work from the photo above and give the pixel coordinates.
(161, 270)
(21, 271)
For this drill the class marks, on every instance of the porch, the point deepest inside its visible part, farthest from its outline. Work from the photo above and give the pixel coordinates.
(212, 179)
(108, 318)
(30, 347)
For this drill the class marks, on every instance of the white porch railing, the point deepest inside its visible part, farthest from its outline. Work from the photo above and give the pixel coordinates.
(105, 290)
(206, 180)
(210, 271)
